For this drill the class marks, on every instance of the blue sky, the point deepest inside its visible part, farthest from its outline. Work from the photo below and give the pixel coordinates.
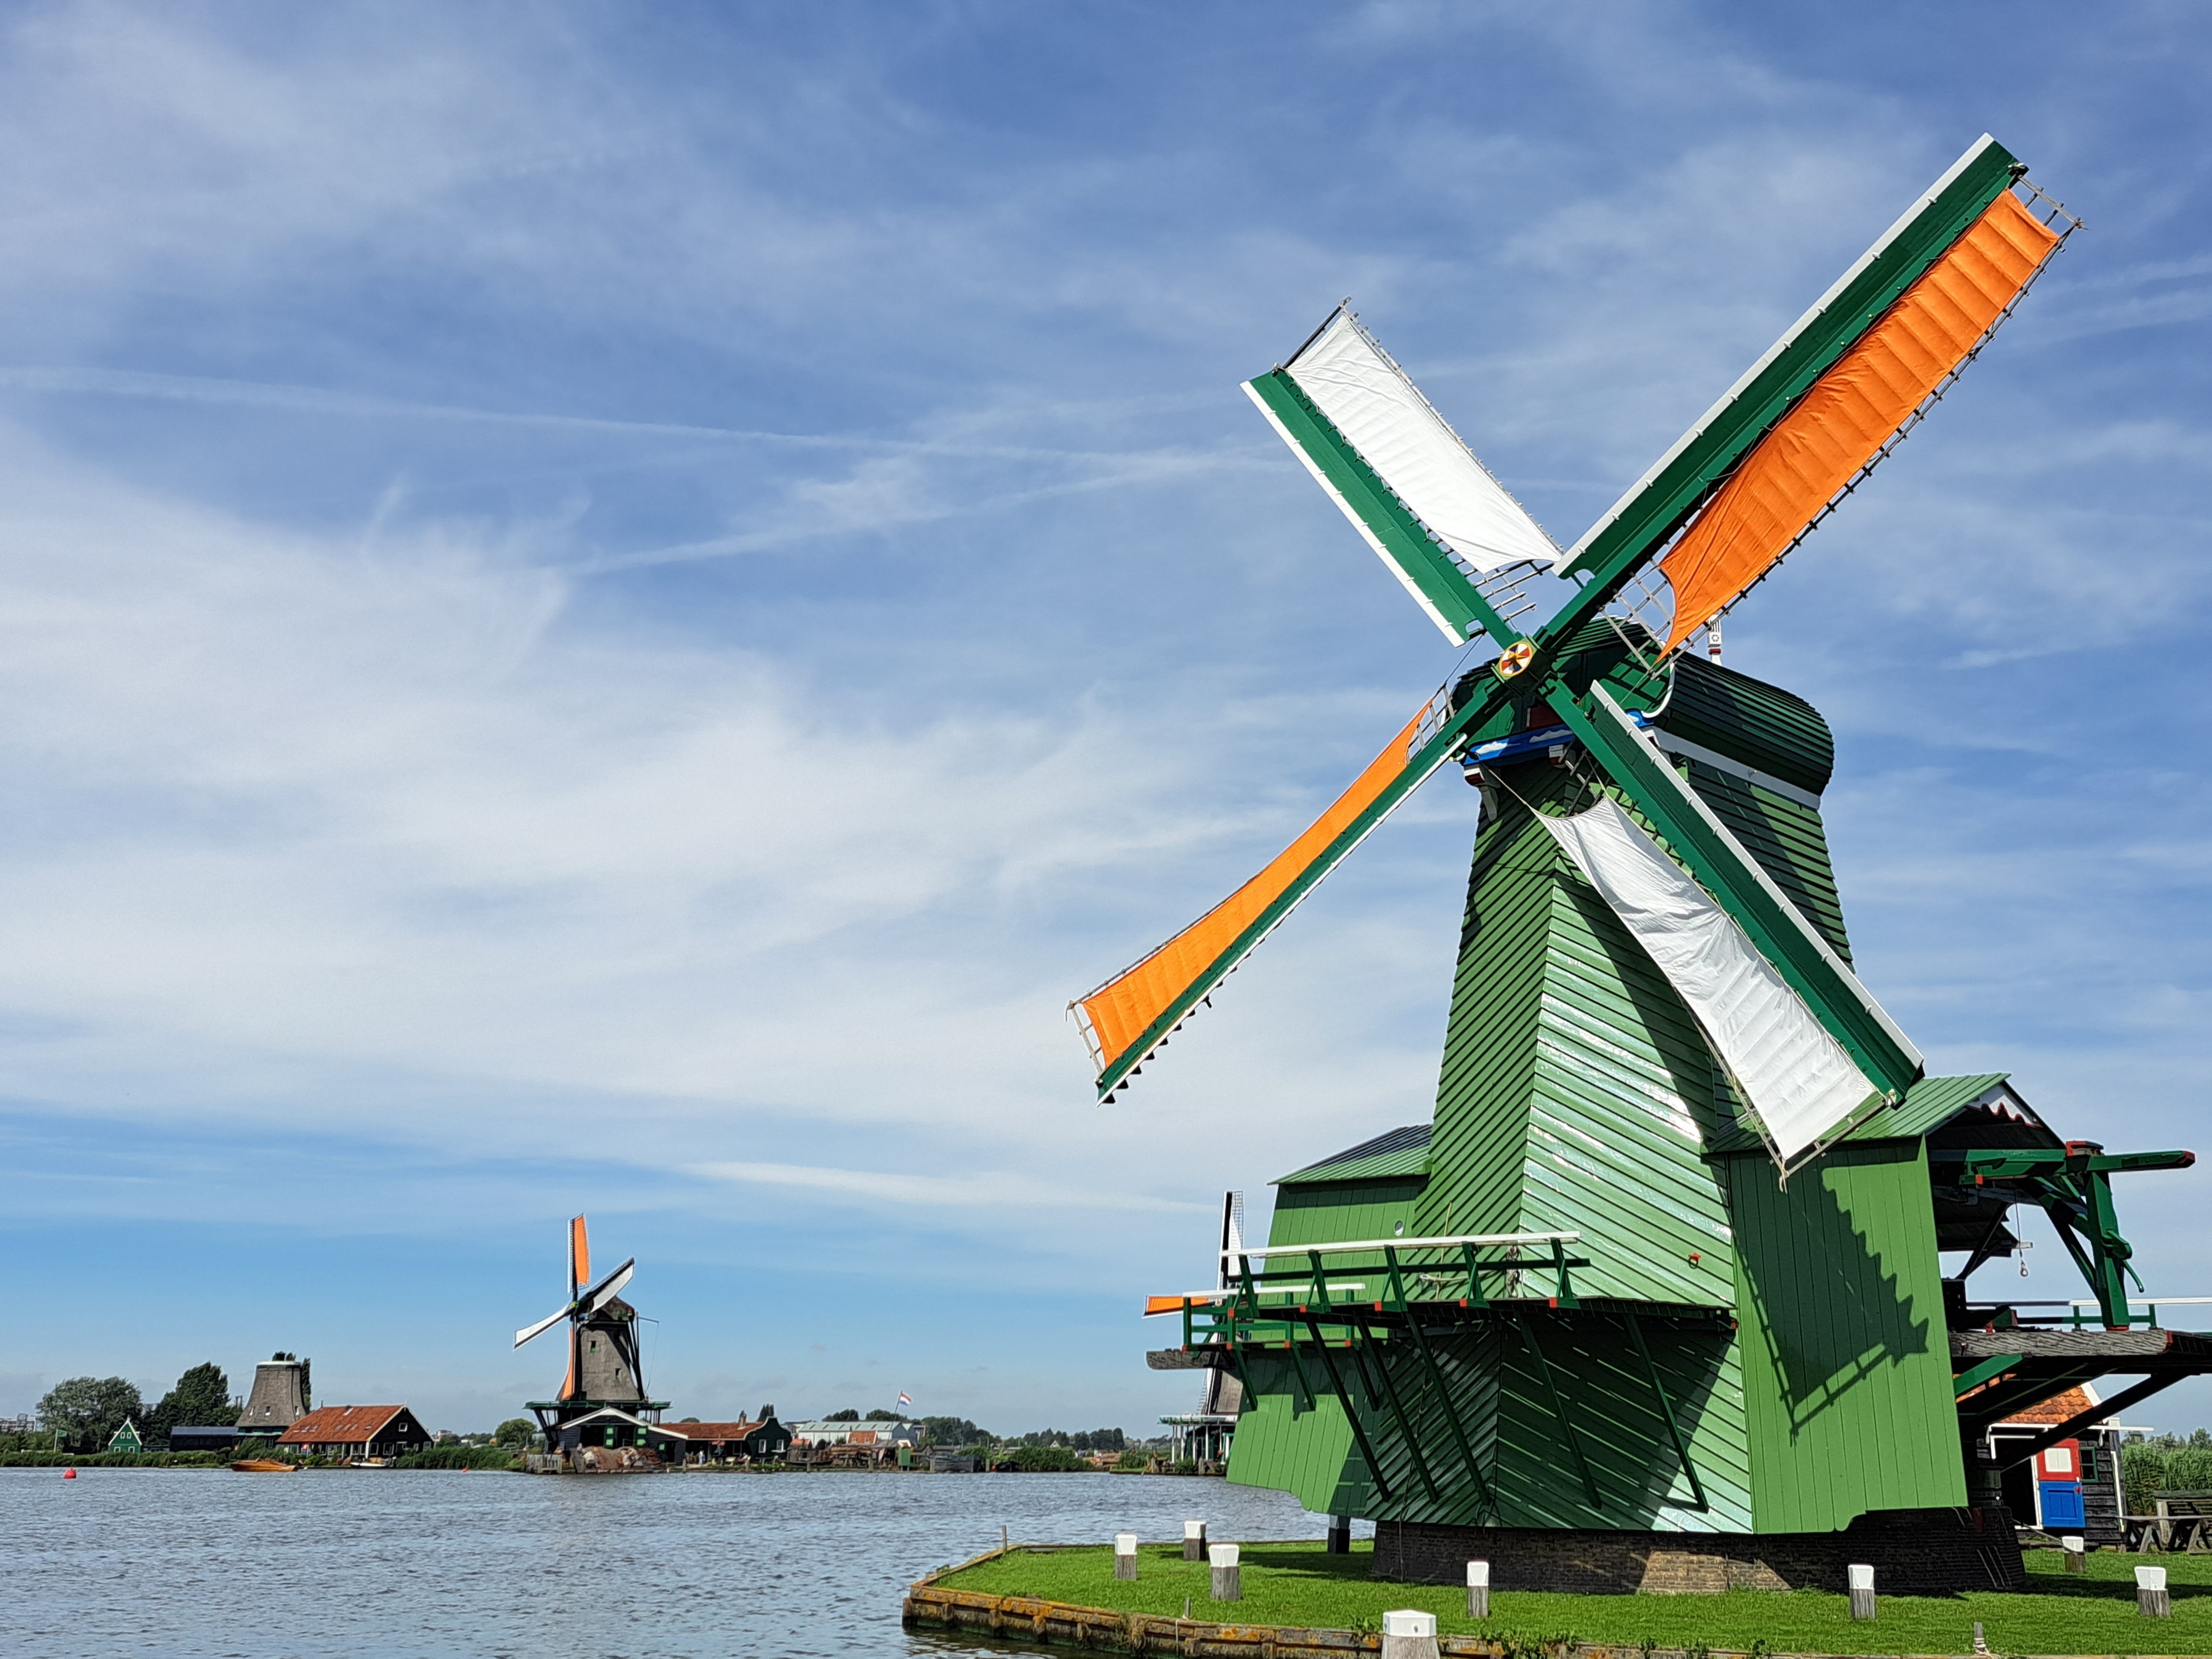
(609, 608)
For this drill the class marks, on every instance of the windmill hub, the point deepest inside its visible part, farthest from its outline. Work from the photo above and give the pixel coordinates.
(1669, 1257)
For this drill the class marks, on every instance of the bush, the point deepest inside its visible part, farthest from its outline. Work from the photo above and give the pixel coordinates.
(1047, 1460)
(54, 1460)
(1133, 1459)
(2142, 1472)
(2189, 1469)
(457, 1457)
(947, 1433)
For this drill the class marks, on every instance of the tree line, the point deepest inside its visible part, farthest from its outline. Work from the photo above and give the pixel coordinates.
(961, 1434)
(84, 1412)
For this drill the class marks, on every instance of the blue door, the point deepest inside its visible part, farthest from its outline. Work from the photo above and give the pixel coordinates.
(2061, 1505)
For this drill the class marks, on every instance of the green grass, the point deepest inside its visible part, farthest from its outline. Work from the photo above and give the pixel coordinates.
(1299, 1584)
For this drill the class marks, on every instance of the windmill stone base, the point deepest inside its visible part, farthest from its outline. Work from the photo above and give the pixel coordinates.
(1913, 1552)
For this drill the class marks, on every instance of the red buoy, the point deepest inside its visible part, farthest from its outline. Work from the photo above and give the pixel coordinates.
(68, 1474)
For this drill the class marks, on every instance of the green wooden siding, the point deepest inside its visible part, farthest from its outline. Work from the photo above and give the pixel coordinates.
(1333, 1212)
(1576, 1093)
(1766, 728)
(1476, 1150)
(1509, 1427)
(1847, 1366)
(1788, 840)
(1288, 1444)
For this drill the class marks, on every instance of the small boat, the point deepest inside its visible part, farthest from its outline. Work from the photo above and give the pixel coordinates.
(263, 1466)
(370, 1463)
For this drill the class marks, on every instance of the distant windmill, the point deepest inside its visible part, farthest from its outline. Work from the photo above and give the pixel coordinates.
(604, 1367)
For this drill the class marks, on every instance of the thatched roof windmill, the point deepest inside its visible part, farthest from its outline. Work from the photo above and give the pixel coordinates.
(1668, 1259)
(605, 1369)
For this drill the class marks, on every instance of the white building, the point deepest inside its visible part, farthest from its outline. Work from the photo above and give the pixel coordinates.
(826, 1432)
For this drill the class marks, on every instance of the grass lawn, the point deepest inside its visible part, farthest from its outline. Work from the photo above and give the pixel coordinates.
(1300, 1584)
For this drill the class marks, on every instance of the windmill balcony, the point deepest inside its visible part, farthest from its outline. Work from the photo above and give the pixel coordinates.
(1368, 1289)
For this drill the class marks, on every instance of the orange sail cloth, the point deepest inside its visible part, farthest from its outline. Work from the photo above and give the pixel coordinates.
(580, 1258)
(1852, 411)
(1120, 1011)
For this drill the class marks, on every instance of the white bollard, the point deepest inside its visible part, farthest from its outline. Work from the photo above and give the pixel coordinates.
(1125, 1555)
(2150, 1593)
(2076, 1557)
(1478, 1589)
(1861, 1578)
(1194, 1541)
(1408, 1634)
(1228, 1575)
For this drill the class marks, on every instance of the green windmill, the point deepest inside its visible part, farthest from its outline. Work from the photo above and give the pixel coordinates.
(1658, 1298)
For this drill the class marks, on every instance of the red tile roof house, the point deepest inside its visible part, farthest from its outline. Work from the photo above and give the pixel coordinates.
(356, 1432)
(2071, 1485)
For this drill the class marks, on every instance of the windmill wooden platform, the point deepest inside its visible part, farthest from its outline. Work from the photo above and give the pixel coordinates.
(1661, 1287)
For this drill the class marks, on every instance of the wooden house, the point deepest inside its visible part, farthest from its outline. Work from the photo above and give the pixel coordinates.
(758, 1440)
(2071, 1485)
(351, 1432)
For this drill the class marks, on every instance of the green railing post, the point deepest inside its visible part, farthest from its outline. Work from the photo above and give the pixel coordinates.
(1476, 1298)
(1566, 1297)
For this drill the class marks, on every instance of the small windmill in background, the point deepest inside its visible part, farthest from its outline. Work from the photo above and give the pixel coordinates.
(604, 1389)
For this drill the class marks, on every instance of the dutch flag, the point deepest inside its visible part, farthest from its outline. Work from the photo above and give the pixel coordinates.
(904, 1401)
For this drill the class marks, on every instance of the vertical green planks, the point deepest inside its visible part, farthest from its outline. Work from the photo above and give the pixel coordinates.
(1847, 1364)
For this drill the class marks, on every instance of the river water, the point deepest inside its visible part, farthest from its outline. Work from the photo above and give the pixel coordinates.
(374, 1562)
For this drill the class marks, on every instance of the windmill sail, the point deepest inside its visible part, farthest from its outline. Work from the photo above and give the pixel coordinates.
(1794, 1076)
(1125, 1018)
(1704, 459)
(1432, 512)
(1841, 424)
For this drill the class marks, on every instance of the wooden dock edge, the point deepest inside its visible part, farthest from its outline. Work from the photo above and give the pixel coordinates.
(929, 1606)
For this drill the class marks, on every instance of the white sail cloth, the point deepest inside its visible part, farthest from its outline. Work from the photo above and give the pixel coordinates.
(1368, 399)
(1795, 1076)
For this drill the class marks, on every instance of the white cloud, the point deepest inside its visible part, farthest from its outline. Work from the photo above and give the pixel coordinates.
(985, 1190)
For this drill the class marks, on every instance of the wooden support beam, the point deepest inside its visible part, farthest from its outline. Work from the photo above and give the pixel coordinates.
(1350, 1411)
(1405, 1429)
(1451, 1415)
(1665, 1409)
(2113, 1407)
(1968, 1381)
(1559, 1411)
